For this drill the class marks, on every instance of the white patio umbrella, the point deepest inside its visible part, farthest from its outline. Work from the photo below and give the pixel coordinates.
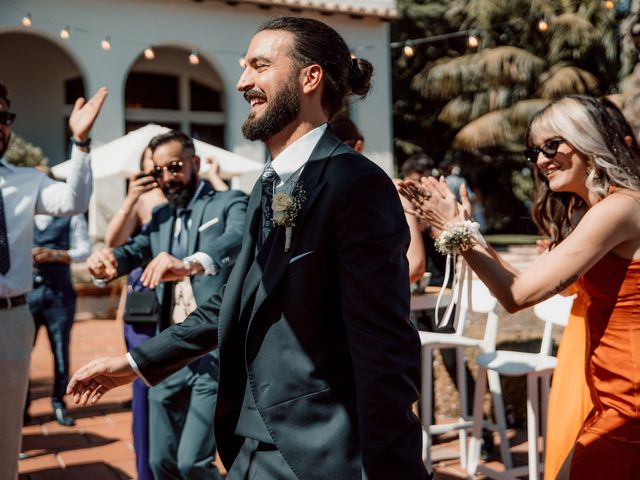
(114, 162)
(121, 157)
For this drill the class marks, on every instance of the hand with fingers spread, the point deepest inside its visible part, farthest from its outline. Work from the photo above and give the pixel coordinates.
(164, 268)
(433, 202)
(99, 376)
(103, 264)
(84, 114)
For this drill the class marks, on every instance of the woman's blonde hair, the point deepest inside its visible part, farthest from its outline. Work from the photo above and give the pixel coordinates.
(584, 124)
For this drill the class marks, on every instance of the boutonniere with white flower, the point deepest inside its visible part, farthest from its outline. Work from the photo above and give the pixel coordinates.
(286, 207)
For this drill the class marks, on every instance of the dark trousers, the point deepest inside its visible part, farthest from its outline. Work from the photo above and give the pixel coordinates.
(181, 410)
(259, 461)
(55, 310)
(135, 335)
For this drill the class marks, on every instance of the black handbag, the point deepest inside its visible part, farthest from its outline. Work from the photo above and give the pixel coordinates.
(142, 307)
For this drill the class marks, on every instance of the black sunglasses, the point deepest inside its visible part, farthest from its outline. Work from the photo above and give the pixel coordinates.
(174, 168)
(549, 149)
(7, 118)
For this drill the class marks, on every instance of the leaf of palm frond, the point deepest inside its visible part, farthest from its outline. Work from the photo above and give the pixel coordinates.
(507, 65)
(521, 113)
(572, 37)
(448, 78)
(488, 130)
(565, 80)
(457, 112)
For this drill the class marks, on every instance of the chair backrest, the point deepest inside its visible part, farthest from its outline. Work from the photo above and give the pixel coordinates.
(553, 311)
(480, 300)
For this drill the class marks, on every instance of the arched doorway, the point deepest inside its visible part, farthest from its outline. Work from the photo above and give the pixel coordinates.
(171, 91)
(44, 82)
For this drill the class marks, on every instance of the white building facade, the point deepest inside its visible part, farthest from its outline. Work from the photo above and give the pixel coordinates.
(45, 72)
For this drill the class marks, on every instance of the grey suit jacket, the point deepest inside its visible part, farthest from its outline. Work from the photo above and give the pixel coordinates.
(328, 350)
(217, 223)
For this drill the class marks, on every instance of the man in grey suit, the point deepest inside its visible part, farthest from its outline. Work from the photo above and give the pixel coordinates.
(197, 237)
(319, 364)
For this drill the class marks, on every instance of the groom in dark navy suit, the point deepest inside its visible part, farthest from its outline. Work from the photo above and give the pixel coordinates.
(319, 364)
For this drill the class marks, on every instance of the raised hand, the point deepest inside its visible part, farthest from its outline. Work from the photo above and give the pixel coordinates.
(432, 201)
(85, 113)
(96, 378)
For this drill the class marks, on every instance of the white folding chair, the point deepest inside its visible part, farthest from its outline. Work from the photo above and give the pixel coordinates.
(535, 366)
(469, 296)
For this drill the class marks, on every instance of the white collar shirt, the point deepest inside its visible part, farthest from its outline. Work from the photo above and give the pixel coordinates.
(291, 161)
(26, 192)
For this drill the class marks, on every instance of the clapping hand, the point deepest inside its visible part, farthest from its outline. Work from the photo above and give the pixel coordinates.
(85, 113)
(103, 264)
(433, 202)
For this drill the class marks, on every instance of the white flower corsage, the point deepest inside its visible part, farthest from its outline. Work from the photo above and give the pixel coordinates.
(286, 208)
(459, 237)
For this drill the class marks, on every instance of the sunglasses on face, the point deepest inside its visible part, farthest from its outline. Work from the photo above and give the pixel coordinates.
(7, 118)
(174, 168)
(549, 149)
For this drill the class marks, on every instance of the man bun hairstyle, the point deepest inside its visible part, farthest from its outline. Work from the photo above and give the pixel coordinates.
(317, 43)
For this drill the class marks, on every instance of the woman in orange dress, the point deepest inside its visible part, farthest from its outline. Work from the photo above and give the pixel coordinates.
(583, 161)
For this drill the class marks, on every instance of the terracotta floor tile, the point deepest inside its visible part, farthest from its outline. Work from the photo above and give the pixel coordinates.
(115, 451)
(90, 470)
(39, 462)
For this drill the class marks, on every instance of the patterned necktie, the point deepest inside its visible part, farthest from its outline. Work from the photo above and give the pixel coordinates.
(5, 262)
(268, 179)
(180, 245)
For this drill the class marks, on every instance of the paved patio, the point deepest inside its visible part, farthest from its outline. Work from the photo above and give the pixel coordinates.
(99, 447)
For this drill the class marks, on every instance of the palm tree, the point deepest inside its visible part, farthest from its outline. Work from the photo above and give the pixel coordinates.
(481, 100)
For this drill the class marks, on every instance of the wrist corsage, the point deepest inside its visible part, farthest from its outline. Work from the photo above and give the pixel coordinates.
(459, 237)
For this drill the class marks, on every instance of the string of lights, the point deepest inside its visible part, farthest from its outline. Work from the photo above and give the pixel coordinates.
(408, 46)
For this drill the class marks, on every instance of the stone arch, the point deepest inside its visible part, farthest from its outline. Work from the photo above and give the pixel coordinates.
(44, 77)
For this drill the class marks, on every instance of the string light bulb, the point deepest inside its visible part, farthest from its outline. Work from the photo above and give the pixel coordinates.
(543, 25)
(65, 33)
(194, 58)
(149, 54)
(26, 20)
(472, 41)
(408, 51)
(609, 4)
(242, 62)
(106, 43)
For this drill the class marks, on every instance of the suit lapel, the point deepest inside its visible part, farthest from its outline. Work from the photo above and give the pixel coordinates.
(234, 297)
(272, 258)
(165, 234)
(205, 196)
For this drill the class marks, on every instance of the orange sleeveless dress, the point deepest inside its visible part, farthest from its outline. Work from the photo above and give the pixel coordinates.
(570, 398)
(608, 446)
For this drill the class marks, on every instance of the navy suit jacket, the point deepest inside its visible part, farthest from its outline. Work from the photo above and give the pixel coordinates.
(331, 357)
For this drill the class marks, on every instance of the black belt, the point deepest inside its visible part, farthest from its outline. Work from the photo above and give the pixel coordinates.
(10, 302)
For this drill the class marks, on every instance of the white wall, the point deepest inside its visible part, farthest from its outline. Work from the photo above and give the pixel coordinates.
(219, 31)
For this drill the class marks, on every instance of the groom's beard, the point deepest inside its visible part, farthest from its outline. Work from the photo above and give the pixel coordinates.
(180, 194)
(282, 109)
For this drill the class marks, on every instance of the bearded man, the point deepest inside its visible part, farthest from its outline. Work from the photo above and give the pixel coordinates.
(319, 364)
(190, 247)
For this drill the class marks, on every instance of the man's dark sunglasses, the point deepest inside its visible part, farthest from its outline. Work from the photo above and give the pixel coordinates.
(7, 118)
(549, 149)
(174, 169)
